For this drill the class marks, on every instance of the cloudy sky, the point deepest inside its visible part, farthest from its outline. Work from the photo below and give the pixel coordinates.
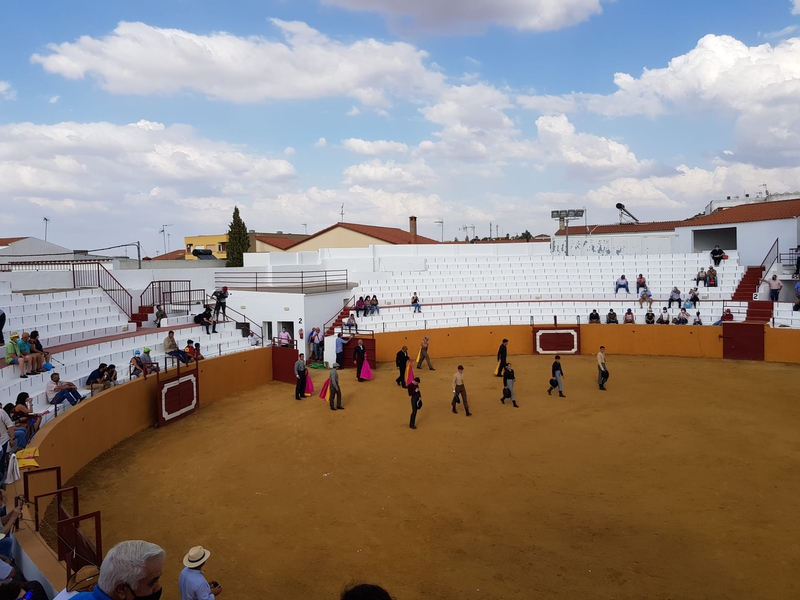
(118, 118)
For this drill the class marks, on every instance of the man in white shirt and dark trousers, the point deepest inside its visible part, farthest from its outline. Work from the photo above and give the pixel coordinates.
(300, 373)
(602, 372)
(460, 391)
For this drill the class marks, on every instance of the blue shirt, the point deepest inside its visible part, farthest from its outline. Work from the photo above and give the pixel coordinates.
(340, 342)
(24, 346)
(95, 377)
(96, 594)
(797, 288)
(193, 585)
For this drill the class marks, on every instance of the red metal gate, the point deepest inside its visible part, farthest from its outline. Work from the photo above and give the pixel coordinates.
(283, 360)
(178, 393)
(561, 340)
(743, 341)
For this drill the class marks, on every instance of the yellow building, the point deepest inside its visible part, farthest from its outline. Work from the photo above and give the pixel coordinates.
(216, 243)
(354, 235)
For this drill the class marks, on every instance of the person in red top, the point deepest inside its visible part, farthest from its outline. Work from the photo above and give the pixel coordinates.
(193, 351)
(726, 316)
(641, 282)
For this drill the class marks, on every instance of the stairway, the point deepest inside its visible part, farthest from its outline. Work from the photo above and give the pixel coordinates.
(748, 285)
(341, 318)
(142, 315)
(759, 311)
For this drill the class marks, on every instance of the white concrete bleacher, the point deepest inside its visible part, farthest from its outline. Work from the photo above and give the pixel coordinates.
(88, 315)
(784, 315)
(496, 290)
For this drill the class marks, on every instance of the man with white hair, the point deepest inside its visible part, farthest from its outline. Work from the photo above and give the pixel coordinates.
(130, 571)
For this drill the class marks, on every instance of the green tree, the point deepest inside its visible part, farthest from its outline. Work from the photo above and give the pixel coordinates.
(238, 242)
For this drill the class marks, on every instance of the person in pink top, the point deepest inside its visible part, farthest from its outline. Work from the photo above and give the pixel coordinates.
(285, 338)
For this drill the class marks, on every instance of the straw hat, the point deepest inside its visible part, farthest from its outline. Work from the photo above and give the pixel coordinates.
(196, 557)
(14, 335)
(84, 579)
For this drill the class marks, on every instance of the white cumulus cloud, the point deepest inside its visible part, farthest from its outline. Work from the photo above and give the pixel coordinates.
(475, 15)
(6, 91)
(141, 59)
(321, 142)
(374, 148)
(389, 174)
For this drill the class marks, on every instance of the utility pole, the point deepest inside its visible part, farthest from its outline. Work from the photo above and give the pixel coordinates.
(46, 221)
(440, 222)
(163, 232)
(305, 228)
(341, 219)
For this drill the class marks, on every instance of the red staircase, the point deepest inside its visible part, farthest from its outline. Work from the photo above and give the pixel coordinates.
(758, 311)
(142, 315)
(335, 323)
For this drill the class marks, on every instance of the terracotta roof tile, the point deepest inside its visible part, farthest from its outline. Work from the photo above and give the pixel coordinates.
(390, 235)
(626, 227)
(9, 241)
(174, 255)
(278, 242)
(756, 211)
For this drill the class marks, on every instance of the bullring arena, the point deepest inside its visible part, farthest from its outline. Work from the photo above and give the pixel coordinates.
(679, 481)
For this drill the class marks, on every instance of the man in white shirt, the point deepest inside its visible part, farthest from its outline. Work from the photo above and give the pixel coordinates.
(602, 372)
(6, 434)
(775, 287)
(192, 582)
(58, 391)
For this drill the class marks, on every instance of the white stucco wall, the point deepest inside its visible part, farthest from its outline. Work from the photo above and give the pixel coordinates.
(754, 239)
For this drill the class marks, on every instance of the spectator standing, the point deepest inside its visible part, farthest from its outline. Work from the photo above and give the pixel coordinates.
(557, 375)
(602, 371)
(360, 355)
(192, 582)
(701, 276)
(611, 318)
(221, 297)
(57, 391)
(415, 303)
(254, 341)
(400, 361)
(649, 317)
(423, 353)
(317, 339)
(351, 322)
(340, 342)
(416, 401)
(775, 287)
(131, 569)
(628, 318)
(460, 391)
(14, 356)
(6, 435)
(97, 380)
(674, 296)
(361, 306)
(641, 282)
(594, 317)
(716, 255)
(502, 356)
(646, 296)
(284, 338)
(171, 348)
(160, 314)
(301, 374)
(622, 283)
(663, 318)
(335, 388)
(508, 384)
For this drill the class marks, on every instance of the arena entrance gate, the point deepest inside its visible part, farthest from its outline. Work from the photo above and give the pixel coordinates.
(178, 393)
(743, 341)
(283, 359)
(556, 340)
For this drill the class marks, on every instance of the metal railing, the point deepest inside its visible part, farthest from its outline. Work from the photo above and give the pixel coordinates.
(769, 261)
(93, 274)
(48, 265)
(259, 333)
(329, 323)
(290, 281)
(172, 293)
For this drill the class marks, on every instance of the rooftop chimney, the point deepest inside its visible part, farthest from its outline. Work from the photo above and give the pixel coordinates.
(412, 228)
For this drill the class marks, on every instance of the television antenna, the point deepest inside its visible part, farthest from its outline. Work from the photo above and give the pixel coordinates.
(341, 214)
(624, 214)
(305, 227)
(46, 221)
(466, 228)
(165, 235)
(440, 223)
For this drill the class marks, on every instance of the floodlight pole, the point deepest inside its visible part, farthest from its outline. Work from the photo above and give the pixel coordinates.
(566, 229)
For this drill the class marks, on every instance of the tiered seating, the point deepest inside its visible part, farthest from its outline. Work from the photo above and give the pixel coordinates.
(494, 290)
(785, 316)
(89, 315)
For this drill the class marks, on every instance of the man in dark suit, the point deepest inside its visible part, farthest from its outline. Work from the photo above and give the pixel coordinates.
(416, 400)
(401, 360)
(300, 373)
(502, 355)
(359, 354)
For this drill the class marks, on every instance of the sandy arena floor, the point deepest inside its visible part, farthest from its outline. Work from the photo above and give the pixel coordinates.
(680, 482)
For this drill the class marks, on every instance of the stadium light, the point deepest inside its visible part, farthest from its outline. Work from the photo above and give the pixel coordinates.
(564, 217)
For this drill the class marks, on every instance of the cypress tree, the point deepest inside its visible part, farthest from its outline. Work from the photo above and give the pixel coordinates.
(238, 242)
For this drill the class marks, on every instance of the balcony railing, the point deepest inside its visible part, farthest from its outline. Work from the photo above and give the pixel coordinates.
(304, 282)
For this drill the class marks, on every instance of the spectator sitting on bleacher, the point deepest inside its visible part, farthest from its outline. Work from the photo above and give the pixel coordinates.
(111, 374)
(193, 351)
(711, 277)
(361, 306)
(36, 347)
(415, 303)
(365, 591)
(726, 316)
(97, 380)
(137, 366)
(649, 317)
(622, 283)
(57, 391)
(674, 296)
(594, 316)
(694, 298)
(611, 318)
(131, 569)
(20, 431)
(646, 296)
(171, 348)
(697, 319)
(717, 254)
(641, 282)
(150, 366)
(663, 318)
(14, 356)
(351, 322)
(7, 521)
(682, 318)
(23, 413)
(206, 320)
(28, 349)
(701, 276)
(374, 306)
(160, 314)
(628, 318)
